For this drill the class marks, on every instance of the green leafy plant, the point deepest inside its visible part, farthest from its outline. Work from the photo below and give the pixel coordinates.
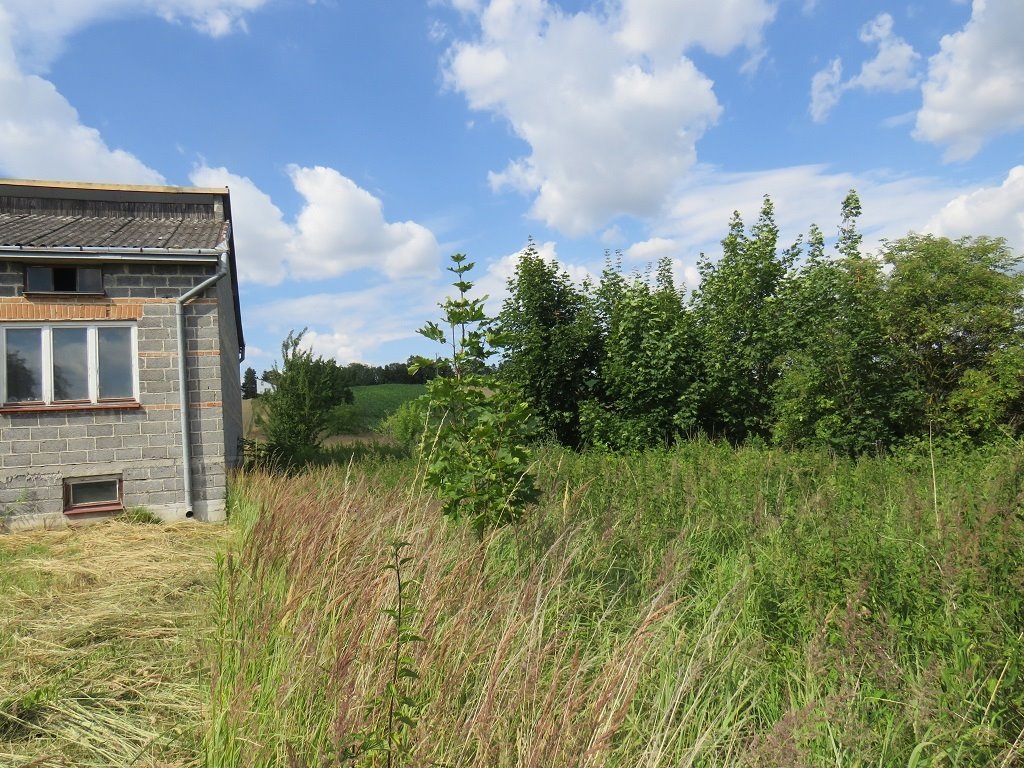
(393, 737)
(478, 459)
(297, 410)
(551, 343)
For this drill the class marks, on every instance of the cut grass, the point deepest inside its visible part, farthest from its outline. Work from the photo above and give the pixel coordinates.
(101, 637)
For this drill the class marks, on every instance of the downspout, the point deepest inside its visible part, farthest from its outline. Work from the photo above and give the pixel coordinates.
(186, 438)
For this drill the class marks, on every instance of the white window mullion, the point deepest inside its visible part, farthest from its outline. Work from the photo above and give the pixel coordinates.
(47, 360)
(92, 351)
(135, 361)
(3, 365)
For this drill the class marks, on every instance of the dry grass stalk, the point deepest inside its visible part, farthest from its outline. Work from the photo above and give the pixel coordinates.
(99, 644)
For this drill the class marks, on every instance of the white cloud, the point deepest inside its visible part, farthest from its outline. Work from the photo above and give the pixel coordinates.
(609, 106)
(826, 88)
(664, 29)
(350, 326)
(340, 228)
(262, 238)
(41, 135)
(975, 84)
(653, 249)
(995, 211)
(892, 69)
(802, 195)
(40, 27)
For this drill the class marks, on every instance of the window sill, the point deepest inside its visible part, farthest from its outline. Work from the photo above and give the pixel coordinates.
(64, 294)
(127, 405)
(114, 506)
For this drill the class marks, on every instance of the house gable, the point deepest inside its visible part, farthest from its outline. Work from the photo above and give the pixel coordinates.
(91, 284)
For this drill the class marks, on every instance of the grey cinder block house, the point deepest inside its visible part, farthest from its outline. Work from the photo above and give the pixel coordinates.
(120, 343)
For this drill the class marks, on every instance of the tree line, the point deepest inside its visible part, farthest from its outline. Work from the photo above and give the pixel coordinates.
(795, 346)
(351, 375)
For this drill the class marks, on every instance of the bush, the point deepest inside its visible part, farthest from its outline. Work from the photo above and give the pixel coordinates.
(297, 411)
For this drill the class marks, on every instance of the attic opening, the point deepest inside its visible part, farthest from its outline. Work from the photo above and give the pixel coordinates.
(63, 279)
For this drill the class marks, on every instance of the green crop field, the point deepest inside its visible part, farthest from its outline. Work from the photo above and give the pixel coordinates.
(375, 403)
(371, 406)
(702, 606)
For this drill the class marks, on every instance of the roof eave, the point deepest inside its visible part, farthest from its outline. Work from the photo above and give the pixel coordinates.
(105, 253)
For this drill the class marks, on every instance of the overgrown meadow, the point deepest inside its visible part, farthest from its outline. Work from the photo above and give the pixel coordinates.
(705, 605)
(701, 606)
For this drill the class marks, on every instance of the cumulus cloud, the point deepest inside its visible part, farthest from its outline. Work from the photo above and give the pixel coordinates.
(350, 325)
(665, 29)
(341, 228)
(608, 104)
(41, 135)
(975, 84)
(653, 249)
(41, 27)
(997, 211)
(893, 69)
(262, 237)
(802, 195)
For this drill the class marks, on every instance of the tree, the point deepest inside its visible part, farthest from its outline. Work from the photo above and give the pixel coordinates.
(296, 411)
(838, 383)
(739, 323)
(550, 341)
(955, 311)
(249, 384)
(649, 368)
(478, 460)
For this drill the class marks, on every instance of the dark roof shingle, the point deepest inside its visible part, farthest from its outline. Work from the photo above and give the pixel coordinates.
(46, 231)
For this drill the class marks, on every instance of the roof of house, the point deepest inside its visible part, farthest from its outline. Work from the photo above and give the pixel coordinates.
(37, 230)
(43, 215)
(57, 215)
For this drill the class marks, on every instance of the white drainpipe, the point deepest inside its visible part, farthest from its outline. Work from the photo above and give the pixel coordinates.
(186, 438)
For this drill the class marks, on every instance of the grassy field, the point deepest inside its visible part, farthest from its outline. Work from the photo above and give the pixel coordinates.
(375, 403)
(372, 405)
(701, 606)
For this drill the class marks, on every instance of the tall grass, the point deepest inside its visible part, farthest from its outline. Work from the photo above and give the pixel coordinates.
(703, 606)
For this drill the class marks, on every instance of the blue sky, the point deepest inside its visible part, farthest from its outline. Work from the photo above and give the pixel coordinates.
(363, 141)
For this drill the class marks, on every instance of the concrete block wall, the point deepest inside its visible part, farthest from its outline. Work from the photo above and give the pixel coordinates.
(39, 449)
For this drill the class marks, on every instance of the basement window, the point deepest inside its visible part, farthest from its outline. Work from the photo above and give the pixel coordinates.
(62, 279)
(92, 494)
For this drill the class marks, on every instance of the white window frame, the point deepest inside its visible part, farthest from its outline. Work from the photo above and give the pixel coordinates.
(92, 352)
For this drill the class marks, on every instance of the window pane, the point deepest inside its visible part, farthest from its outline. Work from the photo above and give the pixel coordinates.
(90, 279)
(38, 279)
(24, 364)
(93, 492)
(64, 279)
(115, 348)
(70, 364)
